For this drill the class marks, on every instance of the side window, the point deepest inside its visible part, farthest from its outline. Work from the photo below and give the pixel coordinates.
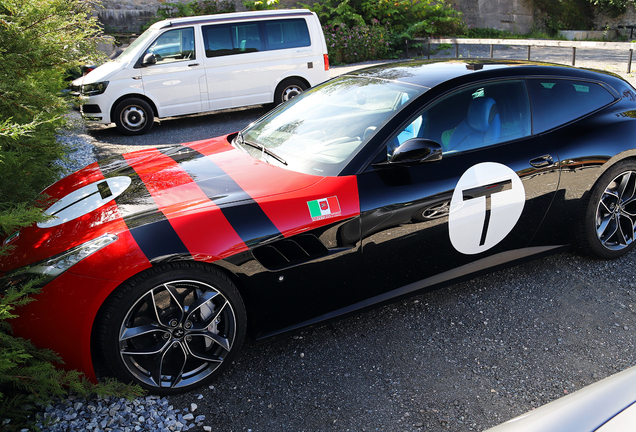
(228, 39)
(291, 33)
(474, 117)
(555, 101)
(173, 46)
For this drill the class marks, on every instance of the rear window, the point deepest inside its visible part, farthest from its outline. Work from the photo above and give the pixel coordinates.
(283, 34)
(239, 38)
(555, 102)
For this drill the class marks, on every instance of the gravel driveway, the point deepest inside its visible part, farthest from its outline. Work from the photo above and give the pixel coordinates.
(463, 358)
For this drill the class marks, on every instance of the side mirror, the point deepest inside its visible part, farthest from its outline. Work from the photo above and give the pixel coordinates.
(417, 150)
(149, 60)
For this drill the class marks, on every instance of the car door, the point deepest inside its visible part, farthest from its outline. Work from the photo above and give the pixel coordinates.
(480, 205)
(177, 80)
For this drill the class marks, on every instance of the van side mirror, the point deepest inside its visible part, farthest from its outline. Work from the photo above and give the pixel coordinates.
(417, 150)
(149, 60)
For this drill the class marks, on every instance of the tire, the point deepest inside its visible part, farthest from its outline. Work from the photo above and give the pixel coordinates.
(172, 328)
(288, 89)
(133, 116)
(609, 221)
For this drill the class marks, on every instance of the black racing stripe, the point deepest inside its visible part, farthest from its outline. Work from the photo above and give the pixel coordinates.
(244, 214)
(148, 225)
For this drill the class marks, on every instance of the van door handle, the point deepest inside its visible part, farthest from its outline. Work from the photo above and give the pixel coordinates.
(193, 64)
(136, 77)
(543, 161)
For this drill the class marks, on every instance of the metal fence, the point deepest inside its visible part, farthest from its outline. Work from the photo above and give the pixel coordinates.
(625, 46)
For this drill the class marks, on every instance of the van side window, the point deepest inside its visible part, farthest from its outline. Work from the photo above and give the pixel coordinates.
(239, 38)
(173, 45)
(283, 34)
(228, 39)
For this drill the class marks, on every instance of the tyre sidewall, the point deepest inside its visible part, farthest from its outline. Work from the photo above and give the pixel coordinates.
(144, 106)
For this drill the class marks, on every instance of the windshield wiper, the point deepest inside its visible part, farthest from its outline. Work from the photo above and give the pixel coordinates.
(260, 147)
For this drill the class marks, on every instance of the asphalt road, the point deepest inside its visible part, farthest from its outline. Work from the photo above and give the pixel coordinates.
(463, 358)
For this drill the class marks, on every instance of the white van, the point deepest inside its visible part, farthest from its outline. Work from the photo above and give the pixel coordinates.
(204, 63)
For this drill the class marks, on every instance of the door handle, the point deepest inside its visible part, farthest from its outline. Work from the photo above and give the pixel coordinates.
(193, 64)
(136, 77)
(542, 162)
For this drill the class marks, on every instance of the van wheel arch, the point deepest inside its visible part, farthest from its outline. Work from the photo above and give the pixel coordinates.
(288, 88)
(133, 114)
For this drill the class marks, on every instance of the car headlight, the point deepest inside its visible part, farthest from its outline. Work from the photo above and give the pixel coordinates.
(47, 270)
(94, 88)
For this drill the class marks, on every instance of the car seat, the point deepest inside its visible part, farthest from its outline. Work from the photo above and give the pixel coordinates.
(481, 126)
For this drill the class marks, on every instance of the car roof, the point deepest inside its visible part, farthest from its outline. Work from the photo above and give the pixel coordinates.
(430, 73)
(219, 18)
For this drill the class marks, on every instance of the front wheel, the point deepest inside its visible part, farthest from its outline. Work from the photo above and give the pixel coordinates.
(288, 89)
(173, 328)
(609, 223)
(133, 116)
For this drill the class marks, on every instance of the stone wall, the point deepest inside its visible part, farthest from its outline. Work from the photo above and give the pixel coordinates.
(603, 20)
(512, 15)
(130, 15)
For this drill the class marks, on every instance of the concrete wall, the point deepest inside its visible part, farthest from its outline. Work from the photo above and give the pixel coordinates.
(512, 15)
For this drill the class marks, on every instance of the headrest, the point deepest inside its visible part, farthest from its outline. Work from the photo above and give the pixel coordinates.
(481, 113)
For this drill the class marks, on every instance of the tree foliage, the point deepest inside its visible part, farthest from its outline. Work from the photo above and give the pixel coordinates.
(40, 40)
(614, 8)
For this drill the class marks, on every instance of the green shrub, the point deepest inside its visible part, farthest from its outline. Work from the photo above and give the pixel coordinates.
(358, 43)
(564, 15)
(254, 5)
(195, 7)
(386, 24)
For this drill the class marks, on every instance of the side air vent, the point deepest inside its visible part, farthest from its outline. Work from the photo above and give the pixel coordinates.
(290, 252)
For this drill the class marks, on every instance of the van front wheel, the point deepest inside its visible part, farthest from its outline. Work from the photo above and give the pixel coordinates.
(288, 89)
(133, 116)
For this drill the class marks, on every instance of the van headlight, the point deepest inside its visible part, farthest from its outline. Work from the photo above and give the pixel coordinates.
(94, 88)
(47, 270)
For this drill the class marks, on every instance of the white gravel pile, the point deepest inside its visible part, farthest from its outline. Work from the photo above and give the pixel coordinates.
(150, 413)
(76, 138)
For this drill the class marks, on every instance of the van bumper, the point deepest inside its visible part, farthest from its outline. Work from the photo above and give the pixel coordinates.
(96, 108)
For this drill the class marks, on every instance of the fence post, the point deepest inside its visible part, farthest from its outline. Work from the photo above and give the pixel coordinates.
(456, 50)
(491, 50)
(629, 63)
(429, 50)
(573, 55)
(528, 52)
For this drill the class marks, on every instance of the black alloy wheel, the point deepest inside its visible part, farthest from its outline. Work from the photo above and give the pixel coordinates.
(609, 223)
(173, 328)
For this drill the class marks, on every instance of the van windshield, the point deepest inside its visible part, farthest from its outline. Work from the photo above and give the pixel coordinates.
(131, 52)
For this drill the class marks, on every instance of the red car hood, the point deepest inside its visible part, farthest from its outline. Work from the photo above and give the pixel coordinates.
(130, 190)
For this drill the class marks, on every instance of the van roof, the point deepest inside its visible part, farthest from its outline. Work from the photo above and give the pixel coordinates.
(249, 15)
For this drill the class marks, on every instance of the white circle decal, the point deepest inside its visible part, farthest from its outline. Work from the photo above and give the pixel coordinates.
(486, 205)
(84, 200)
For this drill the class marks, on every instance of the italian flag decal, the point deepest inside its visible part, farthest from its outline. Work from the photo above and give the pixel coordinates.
(324, 208)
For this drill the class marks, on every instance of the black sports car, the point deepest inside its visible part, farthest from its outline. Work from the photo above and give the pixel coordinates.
(367, 188)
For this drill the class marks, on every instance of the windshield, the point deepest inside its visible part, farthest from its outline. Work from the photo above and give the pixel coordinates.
(321, 130)
(130, 53)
